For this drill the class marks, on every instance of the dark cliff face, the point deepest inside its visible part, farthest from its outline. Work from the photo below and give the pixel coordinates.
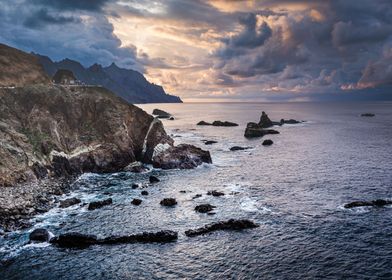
(130, 85)
(18, 68)
(58, 131)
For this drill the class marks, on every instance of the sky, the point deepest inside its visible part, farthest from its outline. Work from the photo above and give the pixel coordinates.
(220, 50)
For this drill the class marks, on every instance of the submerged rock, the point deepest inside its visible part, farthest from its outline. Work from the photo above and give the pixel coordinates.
(197, 196)
(135, 186)
(161, 114)
(144, 193)
(225, 225)
(204, 123)
(210, 142)
(145, 237)
(290, 121)
(215, 193)
(69, 202)
(99, 204)
(225, 123)
(136, 201)
(204, 208)
(267, 142)
(39, 235)
(238, 148)
(376, 203)
(183, 156)
(367, 115)
(74, 240)
(168, 202)
(153, 179)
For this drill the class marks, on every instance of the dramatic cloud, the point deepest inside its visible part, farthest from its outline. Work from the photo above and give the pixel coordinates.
(224, 49)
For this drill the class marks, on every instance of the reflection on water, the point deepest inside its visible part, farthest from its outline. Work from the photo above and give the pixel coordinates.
(294, 189)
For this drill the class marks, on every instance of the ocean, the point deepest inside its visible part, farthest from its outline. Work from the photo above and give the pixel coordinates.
(294, 189)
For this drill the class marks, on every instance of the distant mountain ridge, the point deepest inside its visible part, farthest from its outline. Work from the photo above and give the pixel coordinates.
(128, 84)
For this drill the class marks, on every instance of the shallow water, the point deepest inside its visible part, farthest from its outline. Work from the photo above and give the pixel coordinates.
(295, 189)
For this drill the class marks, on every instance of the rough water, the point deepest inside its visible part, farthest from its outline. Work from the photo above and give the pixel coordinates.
(295, 190)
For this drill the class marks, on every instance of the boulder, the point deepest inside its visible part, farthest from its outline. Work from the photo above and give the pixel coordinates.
(265, 121)
(204, 123)
(183, 156)
(153, 179)
(69, 202)
(74, 240)
(225, 123)
(99, 204)
(168, 202)
(144, 193)
(215, 193)
(255, 130)
(204, 208)
(267, 142)
(225, 225)
(39, 235)
(135, 186)
(136, 201)
(161, 114)
(367, 115)
(238, 148)
(375, 203)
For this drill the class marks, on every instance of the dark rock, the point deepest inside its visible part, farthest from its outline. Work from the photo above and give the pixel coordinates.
(161, 114)
(290, 121)
(136, 168)
(136, 201)
(69, 202)
(39, 170)
(204, 208)
(215, 193)
(265, 121)
(255, 130)
(197, 196)
(225, 225)
(267, 142)
(134, 186)
(144, 193)
(225, 123)
(367, 115)
(182, 191)
(204, 123)
(238, 148)
(171, 119)
(210, 142)
(146, 237)
(375, 203)
(153, 179)
(74, 240)
(183, 156)
(99, 204)
(39, 235)
(168, 202)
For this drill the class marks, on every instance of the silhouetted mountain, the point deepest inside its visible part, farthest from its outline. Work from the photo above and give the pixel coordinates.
(128, 84)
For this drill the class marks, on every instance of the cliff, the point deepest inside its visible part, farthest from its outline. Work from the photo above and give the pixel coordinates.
(128, 84)
(18, 68)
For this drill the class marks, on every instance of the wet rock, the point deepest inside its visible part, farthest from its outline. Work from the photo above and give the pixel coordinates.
(215, 193)
(168, 202)
(204, 123)
(204, 208)
(225, 225)
(136, 167)
(153, 179)
(197, 196)
(255, 130)
(225, 123)
(144, 193)
(367, 115)
(136, 201)
(265, 121)
(290, 121)
(183, 156)
(74, 240)
(210, 142)
(99, 204)
(145, 237)
(182, 191)
(375, 203)
(238, 148)
(39, 235)
(161, 114)
(135, 186)
(69, 202)
(267, 142)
